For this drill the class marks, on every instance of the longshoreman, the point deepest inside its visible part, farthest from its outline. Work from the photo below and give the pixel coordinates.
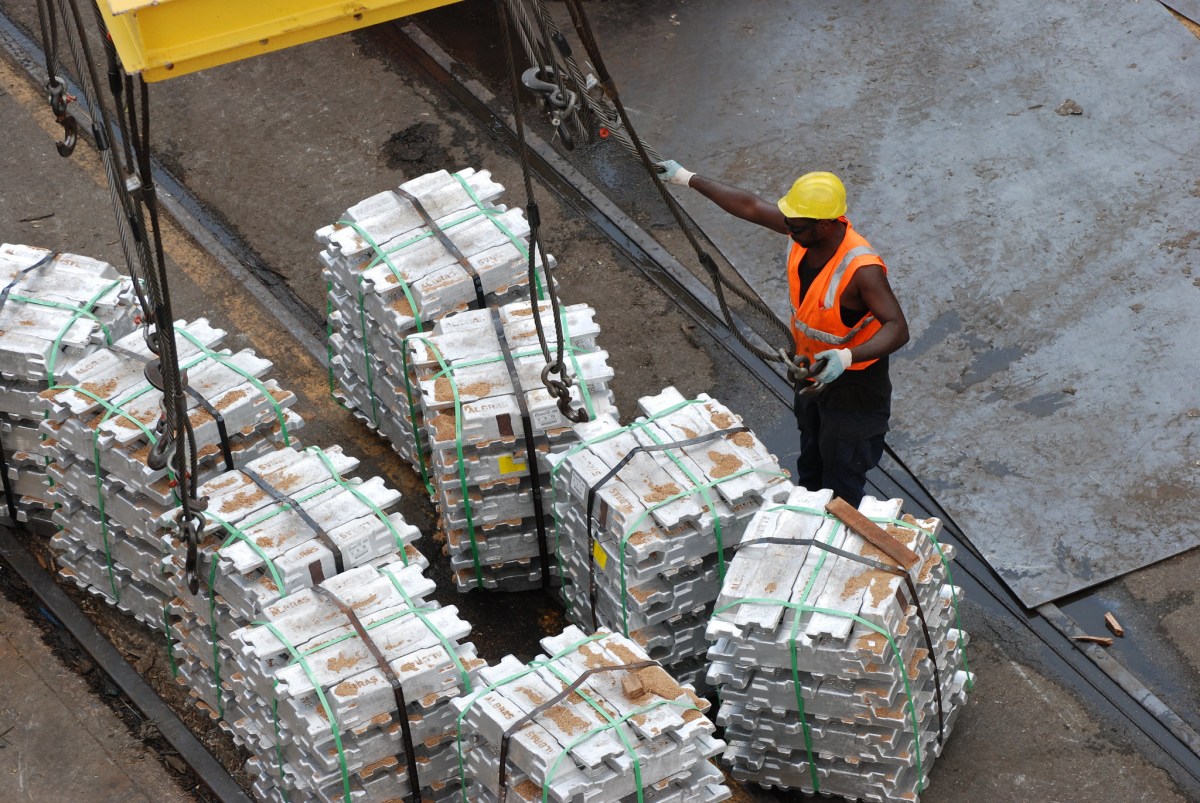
(845, 321)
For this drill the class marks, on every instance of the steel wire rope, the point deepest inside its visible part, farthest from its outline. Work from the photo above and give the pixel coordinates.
(543, 57)
(596, 107)
(720, 283)
(157, 307)
(560, 389)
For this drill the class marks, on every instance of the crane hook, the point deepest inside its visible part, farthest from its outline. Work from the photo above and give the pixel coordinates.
(58, 98)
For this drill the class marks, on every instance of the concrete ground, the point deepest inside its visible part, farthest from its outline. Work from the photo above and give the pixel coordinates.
(59, 740)
(278, 158)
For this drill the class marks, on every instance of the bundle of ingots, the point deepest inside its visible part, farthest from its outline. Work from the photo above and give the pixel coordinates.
(54, 310)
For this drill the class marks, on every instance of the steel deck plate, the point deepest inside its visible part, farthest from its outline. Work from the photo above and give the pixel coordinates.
(1046, 261)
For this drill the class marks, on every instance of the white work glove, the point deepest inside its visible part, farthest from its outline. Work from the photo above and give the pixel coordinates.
(836, 363)
(672, 172)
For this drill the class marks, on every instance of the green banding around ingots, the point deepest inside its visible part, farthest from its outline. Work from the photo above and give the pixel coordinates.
(609, 724)
(116, 407)
(447, 371)
(801, 607)
(382, 255)
(301, 658)
(697, 487)
(239, 534)
(79, 311)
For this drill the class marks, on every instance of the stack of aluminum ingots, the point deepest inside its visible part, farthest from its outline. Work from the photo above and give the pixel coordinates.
(594, 721)
(839, 672)
(347, 687)
(274, 526)
(398, 261)
(489, 420)
(54, 309)
(648, 516)
(113, 507)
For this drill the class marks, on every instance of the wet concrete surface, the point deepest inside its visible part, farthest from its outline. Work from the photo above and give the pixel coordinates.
(1027, 733)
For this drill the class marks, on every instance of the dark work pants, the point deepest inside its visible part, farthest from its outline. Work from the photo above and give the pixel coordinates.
(842, 432)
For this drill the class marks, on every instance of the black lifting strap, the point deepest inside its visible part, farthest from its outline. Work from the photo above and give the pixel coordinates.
(324, 537)
(883, 567)
(531, 453)
(410, 754)
(553, 701)
(10, 495)
(591, 495)
(447, 243)
(222, 430)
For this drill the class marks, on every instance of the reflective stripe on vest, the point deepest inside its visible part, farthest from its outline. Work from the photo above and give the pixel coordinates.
(822, 326)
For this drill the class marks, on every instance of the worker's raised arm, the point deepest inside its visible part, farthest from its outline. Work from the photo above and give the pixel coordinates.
(736, 202)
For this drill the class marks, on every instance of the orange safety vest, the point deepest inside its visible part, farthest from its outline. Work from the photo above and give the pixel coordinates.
(817, 321)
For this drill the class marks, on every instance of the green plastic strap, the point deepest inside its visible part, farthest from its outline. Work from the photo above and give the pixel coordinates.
(478, 693)
(86, 309)
(380, 256)
(401, 547)
(259, 386)
(697, 485)
(801, 608)
(941, 556)
(576, 449)
(638, 522)
(329, 717)
(446, 644)
(418, 432)
(235, 535)
(278, 736)
(494, 216)
(458, 444)
(110, 407)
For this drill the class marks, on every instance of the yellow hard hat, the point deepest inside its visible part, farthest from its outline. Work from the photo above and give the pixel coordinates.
(821, 196)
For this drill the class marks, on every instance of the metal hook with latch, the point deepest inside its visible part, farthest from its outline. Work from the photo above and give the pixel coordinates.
(560, 101)
(58, 98)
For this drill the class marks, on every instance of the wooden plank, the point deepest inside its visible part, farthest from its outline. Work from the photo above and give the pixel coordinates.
(1113, 624)
(871, 531)
(1103, 641)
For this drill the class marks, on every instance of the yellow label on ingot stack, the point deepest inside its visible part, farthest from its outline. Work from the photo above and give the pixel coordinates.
(600, 555)
(510, 465)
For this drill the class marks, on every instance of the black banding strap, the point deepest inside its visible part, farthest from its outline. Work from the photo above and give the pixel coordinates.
(531, 454)
(280, 496)
(8, 288)
(10, 496)
(553, 701)
(884, 567)
(447, 243)
(591, 495)
(226, 449)
(222, 430)
(410, 755)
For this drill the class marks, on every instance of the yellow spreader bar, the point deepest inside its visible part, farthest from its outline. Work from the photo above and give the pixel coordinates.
(165, 38)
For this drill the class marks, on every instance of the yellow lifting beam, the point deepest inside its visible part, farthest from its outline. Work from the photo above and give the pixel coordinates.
(165, 38)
